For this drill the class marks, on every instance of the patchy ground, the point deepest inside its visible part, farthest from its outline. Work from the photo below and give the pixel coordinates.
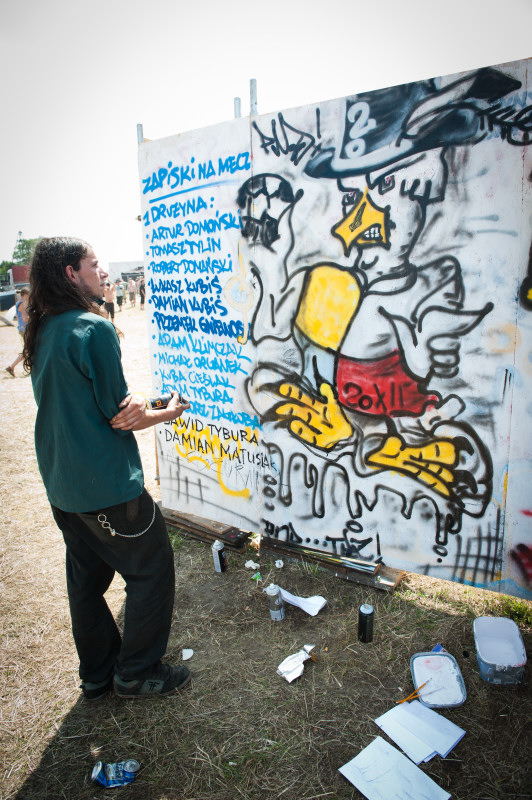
(239, 730)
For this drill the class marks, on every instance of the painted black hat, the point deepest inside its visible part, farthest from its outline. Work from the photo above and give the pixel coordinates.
(387, 125)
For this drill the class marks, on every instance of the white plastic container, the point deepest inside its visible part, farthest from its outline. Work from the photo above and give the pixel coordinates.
(500, 650)
(439, 680)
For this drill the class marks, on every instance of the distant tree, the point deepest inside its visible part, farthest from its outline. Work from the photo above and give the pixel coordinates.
(23, 251)
(4, 266)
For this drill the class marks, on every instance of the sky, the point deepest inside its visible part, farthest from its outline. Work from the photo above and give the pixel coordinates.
(78, 77)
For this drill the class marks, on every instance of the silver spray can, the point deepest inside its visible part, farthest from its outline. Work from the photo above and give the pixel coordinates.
(275, 602)
(365, 623)
(218, 556)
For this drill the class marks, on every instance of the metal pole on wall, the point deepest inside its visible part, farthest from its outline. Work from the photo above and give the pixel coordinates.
(237, 108)
(157, 478)
(253, 97)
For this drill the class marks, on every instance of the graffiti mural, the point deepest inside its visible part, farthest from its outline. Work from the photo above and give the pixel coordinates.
(343, 293)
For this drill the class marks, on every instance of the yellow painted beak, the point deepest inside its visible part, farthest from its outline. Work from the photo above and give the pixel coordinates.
(364, 226)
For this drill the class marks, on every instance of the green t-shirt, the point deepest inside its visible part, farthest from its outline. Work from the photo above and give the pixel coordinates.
(78, 383)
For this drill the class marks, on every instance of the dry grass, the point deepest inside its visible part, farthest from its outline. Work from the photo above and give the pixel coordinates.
(239, 730)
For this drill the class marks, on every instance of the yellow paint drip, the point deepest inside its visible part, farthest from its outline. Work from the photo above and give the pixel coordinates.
(505, 490)
(210, 450)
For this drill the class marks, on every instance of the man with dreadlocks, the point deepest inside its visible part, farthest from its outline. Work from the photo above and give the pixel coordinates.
(91, 468)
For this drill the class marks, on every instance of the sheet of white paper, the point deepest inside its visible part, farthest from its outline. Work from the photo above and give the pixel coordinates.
(381, 772)
(430, 726)
(309, 604)
(292, 667)
(415, 748)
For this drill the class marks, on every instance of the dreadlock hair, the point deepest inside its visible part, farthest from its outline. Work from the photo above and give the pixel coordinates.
(51, 291)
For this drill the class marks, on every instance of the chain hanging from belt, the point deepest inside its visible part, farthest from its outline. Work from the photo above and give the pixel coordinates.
(102, 519)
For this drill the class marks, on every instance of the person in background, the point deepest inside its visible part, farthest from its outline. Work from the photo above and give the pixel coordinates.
(142, 293)
(90, 465)
(132, 291)
(109, 296)
(22, 318)
(119, 293)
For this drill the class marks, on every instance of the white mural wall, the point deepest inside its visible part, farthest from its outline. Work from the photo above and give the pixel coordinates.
(343, 292)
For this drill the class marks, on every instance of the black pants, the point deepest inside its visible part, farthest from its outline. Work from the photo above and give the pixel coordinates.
(146, 563)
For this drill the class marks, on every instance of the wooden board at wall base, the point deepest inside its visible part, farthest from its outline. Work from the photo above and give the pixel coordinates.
(206, 530)
(386, 578)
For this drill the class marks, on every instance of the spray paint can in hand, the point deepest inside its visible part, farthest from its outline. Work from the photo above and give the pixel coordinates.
(159, 402)
(365, 623)
(162, 401)
(275, 602)
(218, 555)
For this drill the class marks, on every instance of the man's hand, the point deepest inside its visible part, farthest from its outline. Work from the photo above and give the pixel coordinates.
(177, 405)
(135, 417)
(133, 412)
(318, 422)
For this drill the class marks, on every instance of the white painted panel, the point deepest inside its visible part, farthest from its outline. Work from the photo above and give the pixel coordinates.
(198, 299)
(375, 277)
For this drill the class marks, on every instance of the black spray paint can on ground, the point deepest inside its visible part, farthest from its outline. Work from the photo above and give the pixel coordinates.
(218, 556)
(365, 623)
(275, 602)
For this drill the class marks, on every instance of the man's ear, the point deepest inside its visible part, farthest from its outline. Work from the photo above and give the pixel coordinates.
(71, 273)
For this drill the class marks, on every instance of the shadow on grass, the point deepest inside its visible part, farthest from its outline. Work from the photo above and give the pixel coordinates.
(241, 731)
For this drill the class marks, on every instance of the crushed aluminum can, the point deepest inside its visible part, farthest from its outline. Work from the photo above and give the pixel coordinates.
(292, 667)
(118, 774)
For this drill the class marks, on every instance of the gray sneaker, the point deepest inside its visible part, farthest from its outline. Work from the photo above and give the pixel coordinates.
(96, 691)
(163, 680)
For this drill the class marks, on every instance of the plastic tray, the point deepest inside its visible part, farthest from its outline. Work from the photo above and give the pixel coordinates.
(445, 686)
(500, 650)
